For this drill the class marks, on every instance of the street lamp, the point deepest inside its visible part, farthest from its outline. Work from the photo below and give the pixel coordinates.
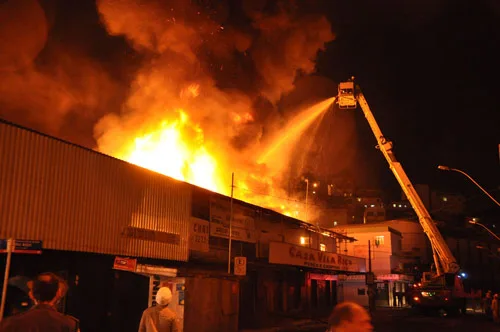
(473, 222)
(307, 194)
(446, 168)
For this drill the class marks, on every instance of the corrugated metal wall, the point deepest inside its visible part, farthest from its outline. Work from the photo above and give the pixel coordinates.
(76, 199)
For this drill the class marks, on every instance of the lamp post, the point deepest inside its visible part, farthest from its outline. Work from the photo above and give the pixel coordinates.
(307, 194)
(473, 222)
(446, 168)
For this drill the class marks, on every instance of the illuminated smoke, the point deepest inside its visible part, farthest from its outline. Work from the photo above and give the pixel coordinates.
(44, 84)
(225, 74)
(191, 54)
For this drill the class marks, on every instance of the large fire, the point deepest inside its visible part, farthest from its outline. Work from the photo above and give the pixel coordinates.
(188, 117)
(166, 150)
(177, 147)
(196, 94)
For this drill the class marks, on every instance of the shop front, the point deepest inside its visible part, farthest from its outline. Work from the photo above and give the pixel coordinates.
(391, 289)
(155, 277)
(319, 290)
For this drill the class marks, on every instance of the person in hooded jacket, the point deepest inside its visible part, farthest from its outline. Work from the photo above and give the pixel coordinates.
(46, 291)
(160, 318)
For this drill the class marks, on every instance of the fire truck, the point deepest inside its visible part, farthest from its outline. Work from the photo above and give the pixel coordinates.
(441, 288)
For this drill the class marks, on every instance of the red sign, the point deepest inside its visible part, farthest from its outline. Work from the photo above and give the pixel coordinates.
(125, 264)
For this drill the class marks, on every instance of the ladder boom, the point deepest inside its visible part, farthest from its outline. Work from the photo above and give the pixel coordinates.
(444, 260)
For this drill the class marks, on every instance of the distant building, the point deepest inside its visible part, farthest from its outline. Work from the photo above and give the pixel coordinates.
(439, 203)
(399, 248)
(332, 217)
(447, 203)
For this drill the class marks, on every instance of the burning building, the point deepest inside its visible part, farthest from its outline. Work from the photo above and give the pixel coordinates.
(110, 227)
(201, 100)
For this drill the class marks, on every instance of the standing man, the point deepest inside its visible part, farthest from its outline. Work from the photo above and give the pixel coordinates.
(349, 317)
(46, 291)
(159, 318)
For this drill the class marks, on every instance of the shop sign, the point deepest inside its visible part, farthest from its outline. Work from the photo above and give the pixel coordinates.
(125, 264)
(156, 270)
(391, 277)
(242, 223)
(240, 266)
(199, 235)
(181, 291)
(22, 246)
(150, 235)
(289, 254)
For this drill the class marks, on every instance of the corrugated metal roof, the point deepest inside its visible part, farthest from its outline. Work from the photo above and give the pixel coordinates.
(73, 198)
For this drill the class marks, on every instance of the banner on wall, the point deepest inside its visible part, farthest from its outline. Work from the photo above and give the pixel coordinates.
(242, 225)
(199, 235)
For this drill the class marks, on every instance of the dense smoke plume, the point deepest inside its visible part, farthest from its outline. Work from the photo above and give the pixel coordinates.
(210, 79)
(187, 48)
(179, 39)
(44, 84)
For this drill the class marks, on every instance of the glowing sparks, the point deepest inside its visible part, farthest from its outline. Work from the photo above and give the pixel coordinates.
(192, 91)
(241, 119)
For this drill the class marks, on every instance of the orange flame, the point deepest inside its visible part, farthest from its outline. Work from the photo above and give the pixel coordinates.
(178, 148)
(167, 150)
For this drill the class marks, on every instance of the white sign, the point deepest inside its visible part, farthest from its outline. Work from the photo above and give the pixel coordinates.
(242, 225)
(240, 266)
(199, 235)
(156, 270)
(289, 254)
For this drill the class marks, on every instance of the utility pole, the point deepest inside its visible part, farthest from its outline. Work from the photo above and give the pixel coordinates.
(230, 226)
(10, 245)
(307, 195)
(369, 256)
(370, 280)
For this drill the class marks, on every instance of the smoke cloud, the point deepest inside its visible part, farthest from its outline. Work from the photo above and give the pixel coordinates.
(184, 43)
(205, 71)
(45, 85)
(217, 72)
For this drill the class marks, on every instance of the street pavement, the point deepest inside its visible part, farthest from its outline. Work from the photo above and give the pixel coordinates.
(406, 320)
(409, 321)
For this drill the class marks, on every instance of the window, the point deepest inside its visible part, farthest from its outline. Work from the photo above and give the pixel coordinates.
(379, 240)
(304, 240)
(335, 223)
(322, 247)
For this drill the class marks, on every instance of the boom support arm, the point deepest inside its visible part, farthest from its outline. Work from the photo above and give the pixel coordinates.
(443, 258)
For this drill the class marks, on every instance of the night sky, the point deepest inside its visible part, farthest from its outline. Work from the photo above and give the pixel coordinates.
(429, 71)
